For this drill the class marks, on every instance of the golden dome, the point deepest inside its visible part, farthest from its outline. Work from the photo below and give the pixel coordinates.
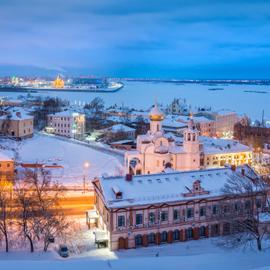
(156, 114)
(58, 82)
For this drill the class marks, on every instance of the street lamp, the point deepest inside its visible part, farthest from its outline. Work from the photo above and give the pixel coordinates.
(86, 165)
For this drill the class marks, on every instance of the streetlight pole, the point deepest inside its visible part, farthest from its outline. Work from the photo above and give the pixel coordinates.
(86, 165)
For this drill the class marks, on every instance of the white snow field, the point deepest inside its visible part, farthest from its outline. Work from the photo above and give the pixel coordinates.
(142, 95)
(202, 254)
(49, 150)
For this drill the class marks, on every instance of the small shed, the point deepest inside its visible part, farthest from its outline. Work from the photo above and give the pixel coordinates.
(92, 218)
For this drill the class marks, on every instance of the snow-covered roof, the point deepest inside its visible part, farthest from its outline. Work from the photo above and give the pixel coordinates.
(219, 146)
(67, 113)
(121, 128)
(225, 112)
(168, 122)
(196, 119)
(168, 187)
(211, 146)
(16, 114)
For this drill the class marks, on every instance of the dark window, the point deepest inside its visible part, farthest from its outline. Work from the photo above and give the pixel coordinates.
(151, 238)
(189, 233)
(258, 203)
(138, 240)
(202, 211)
(164, 236)
(247, 205)
(176, 235)
(190, 213)
(202, 231)
(164, 216)
(176, 214)
(121, 221)
(139, 219)
(225, 209)
(215, 209)
(215, 230)
(236, 206)
(226, 228)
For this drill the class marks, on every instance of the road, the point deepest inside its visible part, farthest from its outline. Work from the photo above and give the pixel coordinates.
(76, 206)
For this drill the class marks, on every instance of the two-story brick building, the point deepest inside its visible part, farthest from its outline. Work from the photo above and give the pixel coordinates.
(17, 124)
(161, 208)
(66, 123)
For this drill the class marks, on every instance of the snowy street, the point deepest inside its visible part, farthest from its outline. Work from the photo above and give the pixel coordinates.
(203, 254)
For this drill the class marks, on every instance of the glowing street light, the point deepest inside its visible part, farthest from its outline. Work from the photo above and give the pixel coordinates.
(86, 165)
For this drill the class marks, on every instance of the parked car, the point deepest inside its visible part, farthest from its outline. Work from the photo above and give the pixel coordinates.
(63, 251)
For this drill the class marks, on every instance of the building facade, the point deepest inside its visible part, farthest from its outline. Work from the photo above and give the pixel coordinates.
(17, 124)
(225, 122)
(7, 169)
(126, 132)
(68, 124)
(164, 208)
(157, 152)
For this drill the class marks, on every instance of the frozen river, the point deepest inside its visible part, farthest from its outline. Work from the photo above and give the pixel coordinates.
(142, 95)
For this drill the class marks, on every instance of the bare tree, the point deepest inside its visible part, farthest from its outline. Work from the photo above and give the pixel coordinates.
(41, 218)
(53, 222)
(26, 214)
(5, 211)
(246, 216)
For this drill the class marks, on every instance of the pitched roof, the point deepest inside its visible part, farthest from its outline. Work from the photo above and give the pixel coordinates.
(168, 187)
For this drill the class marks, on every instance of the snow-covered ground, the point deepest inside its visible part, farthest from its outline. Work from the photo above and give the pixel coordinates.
(202, 254)
(142, 95)
(49, 150)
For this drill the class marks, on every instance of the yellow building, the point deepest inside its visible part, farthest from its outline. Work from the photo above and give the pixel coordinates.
(6, 169)
(58, 82)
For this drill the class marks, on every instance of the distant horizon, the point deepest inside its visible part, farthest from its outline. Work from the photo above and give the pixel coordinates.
(52, 74)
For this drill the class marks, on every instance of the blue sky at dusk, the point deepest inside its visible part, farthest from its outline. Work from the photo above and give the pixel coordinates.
(136, 38)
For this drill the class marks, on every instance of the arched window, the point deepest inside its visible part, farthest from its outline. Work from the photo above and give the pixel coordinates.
(226, 228)
(202, 231)
(164, 236)
(151, 238)
(188, 137)
(138, 240)
(189, 233)
(176, 235)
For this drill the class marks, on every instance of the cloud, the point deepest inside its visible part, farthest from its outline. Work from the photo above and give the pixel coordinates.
(109, 36)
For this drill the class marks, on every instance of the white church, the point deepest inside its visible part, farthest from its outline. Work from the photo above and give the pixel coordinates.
(160, 152)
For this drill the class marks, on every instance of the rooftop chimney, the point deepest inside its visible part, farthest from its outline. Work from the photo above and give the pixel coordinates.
(233, 167)
(18, 114)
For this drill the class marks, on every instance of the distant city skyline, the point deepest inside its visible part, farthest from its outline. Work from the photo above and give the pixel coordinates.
(220, 39)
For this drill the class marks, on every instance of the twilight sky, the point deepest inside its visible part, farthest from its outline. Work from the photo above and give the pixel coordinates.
(136, 38)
